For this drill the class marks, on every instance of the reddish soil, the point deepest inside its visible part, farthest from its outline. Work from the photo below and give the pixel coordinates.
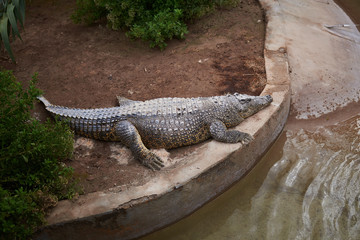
(88, 66)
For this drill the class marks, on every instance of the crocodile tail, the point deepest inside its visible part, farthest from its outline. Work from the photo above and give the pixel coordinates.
(44, 101)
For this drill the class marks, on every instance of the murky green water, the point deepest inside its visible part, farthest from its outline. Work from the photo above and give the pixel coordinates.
(313, 192)
(306, 187)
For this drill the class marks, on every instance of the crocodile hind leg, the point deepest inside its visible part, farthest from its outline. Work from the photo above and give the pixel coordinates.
(130, 137)
(220, 133)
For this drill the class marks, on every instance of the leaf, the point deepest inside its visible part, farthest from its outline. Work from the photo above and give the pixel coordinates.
(18, 15)
(5, 36)
(10, 13)
(22, 12)
(17, 4)
(25, 158)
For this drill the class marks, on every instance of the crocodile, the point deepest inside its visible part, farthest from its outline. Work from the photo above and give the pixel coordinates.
(163, 122)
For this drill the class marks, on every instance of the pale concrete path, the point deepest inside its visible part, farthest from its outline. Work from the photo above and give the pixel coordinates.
(324, 56)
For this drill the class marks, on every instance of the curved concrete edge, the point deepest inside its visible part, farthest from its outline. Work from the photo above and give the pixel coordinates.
(177, 191)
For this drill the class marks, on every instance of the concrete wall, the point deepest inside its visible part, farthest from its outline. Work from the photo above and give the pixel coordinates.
(176, 192)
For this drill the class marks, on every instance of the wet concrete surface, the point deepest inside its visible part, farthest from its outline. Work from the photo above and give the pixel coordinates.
(323, 60)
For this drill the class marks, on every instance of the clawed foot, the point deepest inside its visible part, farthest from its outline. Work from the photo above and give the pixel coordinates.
(152, 161)
(245, 138)
(235, 136)
(242, 137)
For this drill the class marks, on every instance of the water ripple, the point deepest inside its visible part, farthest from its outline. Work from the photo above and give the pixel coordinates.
(313, 192)
(308, 187)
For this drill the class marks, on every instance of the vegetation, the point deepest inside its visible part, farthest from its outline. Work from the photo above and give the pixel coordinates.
(31, 177)
(154, 21)
(11, 12)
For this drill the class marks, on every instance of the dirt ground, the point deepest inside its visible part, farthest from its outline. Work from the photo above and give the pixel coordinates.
(88, 66)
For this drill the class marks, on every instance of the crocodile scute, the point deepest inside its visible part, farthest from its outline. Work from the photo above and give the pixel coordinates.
(163, 122)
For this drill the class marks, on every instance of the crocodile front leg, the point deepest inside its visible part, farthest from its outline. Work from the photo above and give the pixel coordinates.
(131, 138)
(220, 133)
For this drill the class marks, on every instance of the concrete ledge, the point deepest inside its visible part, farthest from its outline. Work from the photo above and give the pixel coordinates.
(201, 175)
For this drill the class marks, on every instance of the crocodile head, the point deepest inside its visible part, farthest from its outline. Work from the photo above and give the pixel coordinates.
(250, 105)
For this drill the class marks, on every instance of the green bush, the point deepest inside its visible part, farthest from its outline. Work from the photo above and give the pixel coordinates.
(88, 12)
(165, 25)
(154, 21)
(19, 214)
(31, 177)
(11, 12)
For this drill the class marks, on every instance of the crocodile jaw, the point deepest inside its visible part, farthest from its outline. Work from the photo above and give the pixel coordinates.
(249, 105)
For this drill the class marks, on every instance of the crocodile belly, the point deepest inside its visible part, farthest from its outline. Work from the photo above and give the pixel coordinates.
(100, 129)
(172, 133)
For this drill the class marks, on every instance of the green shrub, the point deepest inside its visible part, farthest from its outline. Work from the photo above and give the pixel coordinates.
(88, 12)
(154, 21)
(19, 214)
(31, 177)
(165, 25)
(11, 12)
